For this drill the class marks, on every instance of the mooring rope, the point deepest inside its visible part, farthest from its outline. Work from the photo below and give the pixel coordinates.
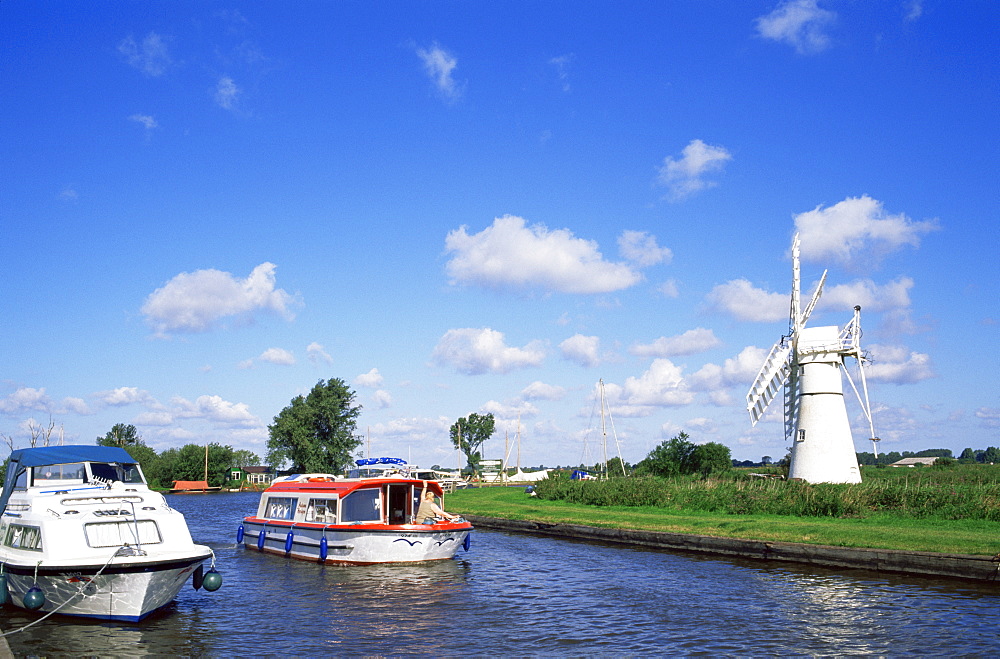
(83, 586)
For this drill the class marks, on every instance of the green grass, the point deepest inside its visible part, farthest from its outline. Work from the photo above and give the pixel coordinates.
(878, 530)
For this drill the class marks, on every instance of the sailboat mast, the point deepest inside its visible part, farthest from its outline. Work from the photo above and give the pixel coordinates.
(519, 443)
(604, 430)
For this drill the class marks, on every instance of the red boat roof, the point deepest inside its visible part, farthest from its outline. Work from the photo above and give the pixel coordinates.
(344, 487)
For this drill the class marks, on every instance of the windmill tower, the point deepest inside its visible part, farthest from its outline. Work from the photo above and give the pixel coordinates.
(807, 365)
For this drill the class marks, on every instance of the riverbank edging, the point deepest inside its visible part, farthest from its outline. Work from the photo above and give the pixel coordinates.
(956, 566)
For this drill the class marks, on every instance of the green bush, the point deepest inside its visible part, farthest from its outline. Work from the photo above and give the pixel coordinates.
(957, 492)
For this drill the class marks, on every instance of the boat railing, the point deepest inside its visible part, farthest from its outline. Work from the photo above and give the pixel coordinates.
(84, 501)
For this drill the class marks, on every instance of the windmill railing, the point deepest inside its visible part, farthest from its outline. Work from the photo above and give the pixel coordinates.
(843, 345)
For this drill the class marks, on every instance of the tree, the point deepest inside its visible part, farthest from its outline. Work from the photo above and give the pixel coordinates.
(991, 455)
(933, 453)
(121, 434)
(127, 437)
(316, 432)
(710, 458)
(468, 434)
(614, 468)
(243, 459)
(671, 458)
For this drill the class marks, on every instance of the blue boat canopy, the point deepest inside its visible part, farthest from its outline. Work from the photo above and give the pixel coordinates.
(23, 458)
(364, 462)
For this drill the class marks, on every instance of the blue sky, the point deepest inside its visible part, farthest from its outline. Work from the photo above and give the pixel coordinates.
(488, 207)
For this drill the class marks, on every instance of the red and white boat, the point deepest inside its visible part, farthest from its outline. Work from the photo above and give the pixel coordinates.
(329, 519)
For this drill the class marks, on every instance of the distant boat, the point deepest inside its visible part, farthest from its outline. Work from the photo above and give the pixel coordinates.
(192, 487)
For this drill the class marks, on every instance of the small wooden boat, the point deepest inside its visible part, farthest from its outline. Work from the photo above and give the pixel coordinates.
(193, 487)
(323, 518)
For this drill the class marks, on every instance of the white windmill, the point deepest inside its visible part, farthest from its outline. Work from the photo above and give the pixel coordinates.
(807, 365)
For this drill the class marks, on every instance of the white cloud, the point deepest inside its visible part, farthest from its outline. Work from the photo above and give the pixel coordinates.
(669, 289)
(735, 371)
(76, 406)
(278, 356)
(538, 390)
(439, 65)
(989, 417)
(383, 399)
(476, 351)
(661, 385)
(685, 175)
(371, 379)
(318, 354)
(521, 410)
(898, 365)
(799, 23)
(561, 64)
(914, 10)
(641, 249)
(508, 253)
(25, 398)
(226, 93)
(413, 429)
(124, 396)
(147, 121)
(150, 57)
(216, 410)
(161, 419)
(197, 301)
(582, 350)
(868, 294)
(689, 343)
(856, 225)
(740, 299)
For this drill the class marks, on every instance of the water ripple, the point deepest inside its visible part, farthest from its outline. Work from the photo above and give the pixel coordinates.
(531, 596)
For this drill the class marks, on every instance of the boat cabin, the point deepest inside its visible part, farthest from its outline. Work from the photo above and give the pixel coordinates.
(323, 500)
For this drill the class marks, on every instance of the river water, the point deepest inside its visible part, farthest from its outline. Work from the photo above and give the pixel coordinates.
(525, 595)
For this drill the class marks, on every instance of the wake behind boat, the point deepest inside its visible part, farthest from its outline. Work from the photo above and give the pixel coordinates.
(319, 517)
(82, 534)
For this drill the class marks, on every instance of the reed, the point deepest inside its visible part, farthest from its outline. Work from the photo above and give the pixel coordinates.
(969, 492)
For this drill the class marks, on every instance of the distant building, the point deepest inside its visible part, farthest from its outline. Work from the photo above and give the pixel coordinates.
(253, 475)
(913, 462)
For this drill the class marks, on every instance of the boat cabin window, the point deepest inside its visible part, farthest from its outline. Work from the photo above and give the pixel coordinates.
(280, 508)
(108, 473)
(117, 533)
(64, 474)
(20, 536)
(322, 510)
(362, 506)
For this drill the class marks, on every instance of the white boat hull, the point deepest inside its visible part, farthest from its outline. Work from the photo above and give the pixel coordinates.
(126, 591)
(399, 544)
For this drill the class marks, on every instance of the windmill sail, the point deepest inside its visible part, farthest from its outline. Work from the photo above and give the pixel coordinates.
(769, 380)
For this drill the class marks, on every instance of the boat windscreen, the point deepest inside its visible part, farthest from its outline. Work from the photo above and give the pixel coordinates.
(126, 473)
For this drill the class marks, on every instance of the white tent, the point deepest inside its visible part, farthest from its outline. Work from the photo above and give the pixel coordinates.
(529, 477)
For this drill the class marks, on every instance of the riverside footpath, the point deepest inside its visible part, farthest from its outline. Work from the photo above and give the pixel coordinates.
(928, 564)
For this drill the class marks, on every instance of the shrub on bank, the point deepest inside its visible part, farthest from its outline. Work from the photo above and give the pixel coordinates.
(959, 492)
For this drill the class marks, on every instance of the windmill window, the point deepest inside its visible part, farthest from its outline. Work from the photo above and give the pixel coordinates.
(802, 434)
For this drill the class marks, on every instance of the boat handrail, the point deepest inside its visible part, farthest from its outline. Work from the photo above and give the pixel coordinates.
(120, 498)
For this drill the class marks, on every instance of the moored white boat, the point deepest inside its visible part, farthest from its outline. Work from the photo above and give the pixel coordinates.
(318, 517)
(82, 534)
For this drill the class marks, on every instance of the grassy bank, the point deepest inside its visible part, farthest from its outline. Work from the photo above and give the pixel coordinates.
(880, 530)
